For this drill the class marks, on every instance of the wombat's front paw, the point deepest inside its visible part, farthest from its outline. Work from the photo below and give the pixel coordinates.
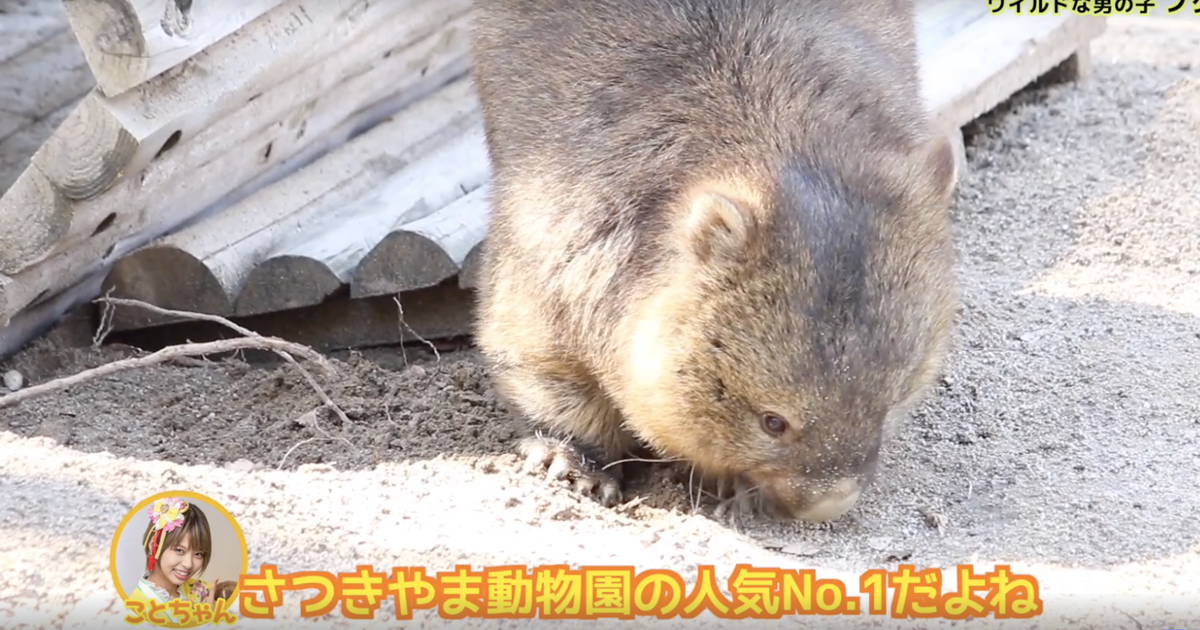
(565, 459)
(737, 500)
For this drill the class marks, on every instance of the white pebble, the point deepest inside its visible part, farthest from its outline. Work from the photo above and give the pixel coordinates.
(13, 380)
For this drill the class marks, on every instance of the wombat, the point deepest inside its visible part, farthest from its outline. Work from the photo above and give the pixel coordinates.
(719, 233)
(225, 589)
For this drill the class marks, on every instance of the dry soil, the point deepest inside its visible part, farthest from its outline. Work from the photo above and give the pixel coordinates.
(1064, 438)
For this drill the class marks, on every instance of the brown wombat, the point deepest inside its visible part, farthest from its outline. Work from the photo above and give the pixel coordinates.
(225, 588)
(720, 230)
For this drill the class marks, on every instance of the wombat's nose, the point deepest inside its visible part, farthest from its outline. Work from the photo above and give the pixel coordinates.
(834, 503)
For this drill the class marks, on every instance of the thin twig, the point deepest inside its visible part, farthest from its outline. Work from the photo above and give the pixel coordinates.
(404, 324)
(292, 348)
(296, 446)
(307, 353)
(166, 354)
(105, 327)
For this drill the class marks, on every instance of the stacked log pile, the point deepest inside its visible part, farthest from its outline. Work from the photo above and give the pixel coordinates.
(312, 159)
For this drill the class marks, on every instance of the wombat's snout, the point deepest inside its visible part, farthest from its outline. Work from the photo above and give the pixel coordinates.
(832, 503)
(819, 500)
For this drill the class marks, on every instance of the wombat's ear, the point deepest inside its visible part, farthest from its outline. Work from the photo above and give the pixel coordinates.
(941, 165)
(718, 227)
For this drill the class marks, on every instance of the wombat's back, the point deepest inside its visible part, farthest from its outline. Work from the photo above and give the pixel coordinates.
(636, 92)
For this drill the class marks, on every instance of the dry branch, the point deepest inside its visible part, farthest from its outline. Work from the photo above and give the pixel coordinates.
(307, 353)
(166, 354)
(251, 341)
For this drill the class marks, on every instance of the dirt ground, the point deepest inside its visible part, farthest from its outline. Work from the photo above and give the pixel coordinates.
(1064, 438)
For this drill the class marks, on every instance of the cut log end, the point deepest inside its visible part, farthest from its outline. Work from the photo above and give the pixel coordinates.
(112, 40)
(402, 261)
(190, 287)
(286, 282)
(87, 152)
(36, 216)
(468, 276)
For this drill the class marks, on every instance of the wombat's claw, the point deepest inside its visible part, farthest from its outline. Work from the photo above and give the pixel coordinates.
(736, 500)
(563, 460)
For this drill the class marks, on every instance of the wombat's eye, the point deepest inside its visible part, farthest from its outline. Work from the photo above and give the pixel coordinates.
(773, 424)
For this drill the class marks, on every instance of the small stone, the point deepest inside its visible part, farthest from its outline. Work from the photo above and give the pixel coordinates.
(241, 465)
(416, 371)
(309, 419)
(13, 380)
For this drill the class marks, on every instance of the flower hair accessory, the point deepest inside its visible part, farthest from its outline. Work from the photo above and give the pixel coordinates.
(165, 515)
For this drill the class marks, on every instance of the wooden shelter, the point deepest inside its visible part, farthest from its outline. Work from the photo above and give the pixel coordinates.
(308, 167)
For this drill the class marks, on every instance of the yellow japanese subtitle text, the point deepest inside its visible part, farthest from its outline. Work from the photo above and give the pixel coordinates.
(615, 592)
(180, 613)
(1097, 8)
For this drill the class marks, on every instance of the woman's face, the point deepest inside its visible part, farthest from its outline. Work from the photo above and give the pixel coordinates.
(179, 562)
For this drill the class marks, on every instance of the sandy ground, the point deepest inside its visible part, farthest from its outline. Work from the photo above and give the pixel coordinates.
(1065, 438)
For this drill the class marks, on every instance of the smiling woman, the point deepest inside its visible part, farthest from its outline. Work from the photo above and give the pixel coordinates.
(165, 550)
(178, 546)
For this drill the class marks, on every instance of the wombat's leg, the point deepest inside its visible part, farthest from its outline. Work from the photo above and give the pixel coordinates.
(579, 433)
(567, 457)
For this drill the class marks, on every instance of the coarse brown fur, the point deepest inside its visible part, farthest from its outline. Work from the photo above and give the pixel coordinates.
(719, 229)
(224, 589)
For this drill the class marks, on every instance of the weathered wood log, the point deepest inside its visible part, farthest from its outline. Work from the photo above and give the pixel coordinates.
(425, 252)
(129, 42)
(342, 323)
(204, 267)
(468, 276)
(63, 78)
(39, 84)
(299, 49)
(310, 112)
(325, 256)
(971, 61)
(27, 24)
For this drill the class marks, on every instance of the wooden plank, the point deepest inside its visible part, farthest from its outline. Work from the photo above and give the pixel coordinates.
(424, 252)
(199, 175)
(429, 184)
(990, 59)
(128, 42)
(204, 267)
(314, 264)
(10, 124)
(25, 24)
(44, 78)
(300, 49)
(939, 20)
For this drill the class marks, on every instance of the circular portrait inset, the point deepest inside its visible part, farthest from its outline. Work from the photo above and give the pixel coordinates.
(177, 547)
